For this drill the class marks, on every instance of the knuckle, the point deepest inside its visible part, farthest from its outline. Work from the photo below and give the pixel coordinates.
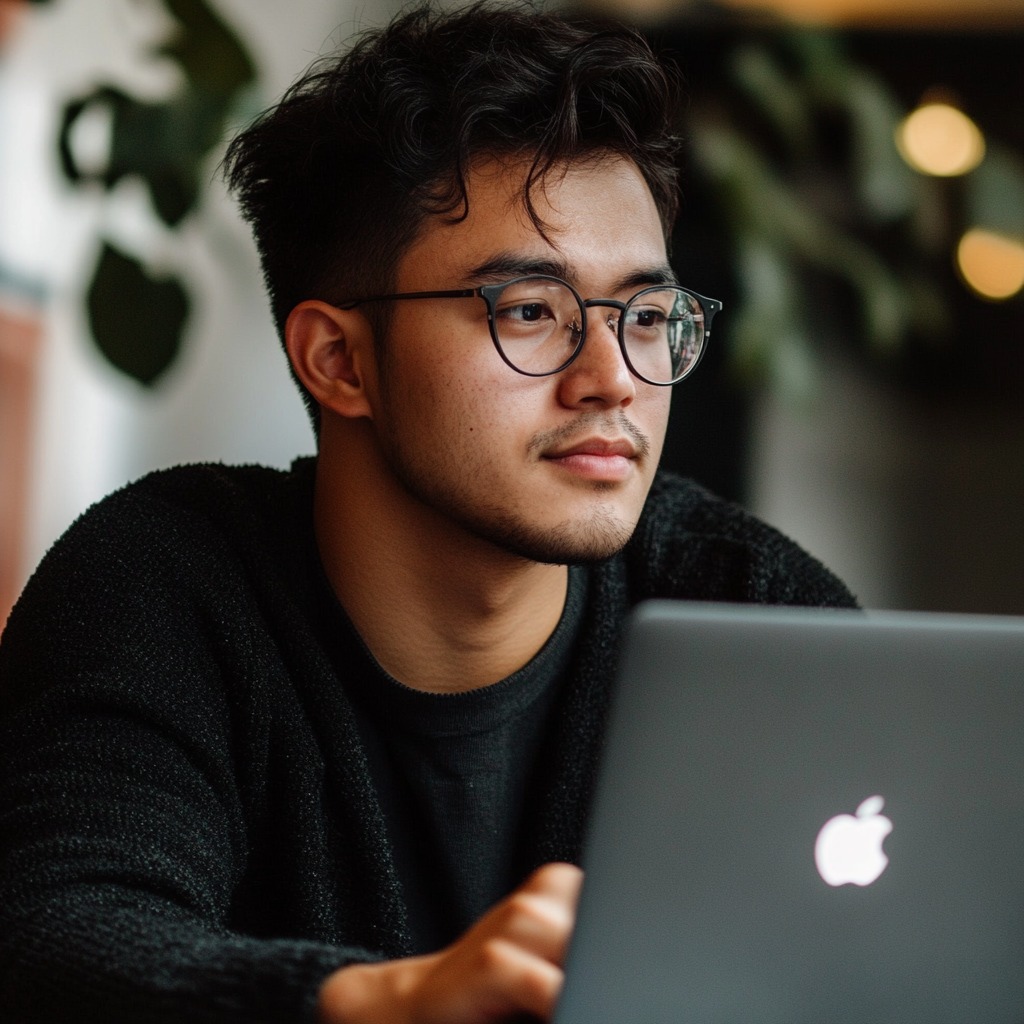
(494, 955)
(539, 989)
(530, 907)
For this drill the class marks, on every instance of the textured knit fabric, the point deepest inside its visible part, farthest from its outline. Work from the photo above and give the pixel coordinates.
(188, 826)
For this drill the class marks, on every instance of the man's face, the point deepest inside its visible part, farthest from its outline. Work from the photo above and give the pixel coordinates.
(553, 469)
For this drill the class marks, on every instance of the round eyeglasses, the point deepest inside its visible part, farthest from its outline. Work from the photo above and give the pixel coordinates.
(538, 325)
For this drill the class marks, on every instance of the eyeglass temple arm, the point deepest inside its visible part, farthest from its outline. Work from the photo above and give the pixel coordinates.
(459, 293)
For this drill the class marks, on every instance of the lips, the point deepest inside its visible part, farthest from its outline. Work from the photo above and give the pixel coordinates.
(596, 460)
(597, 446)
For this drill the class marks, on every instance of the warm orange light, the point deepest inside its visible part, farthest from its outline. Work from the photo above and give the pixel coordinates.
(876, 13)
(991, 264)
(939, 139)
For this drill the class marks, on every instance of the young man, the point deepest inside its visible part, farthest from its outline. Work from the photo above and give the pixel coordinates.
(320, 744)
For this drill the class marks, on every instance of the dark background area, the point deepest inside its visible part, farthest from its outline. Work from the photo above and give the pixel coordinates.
(980, 361)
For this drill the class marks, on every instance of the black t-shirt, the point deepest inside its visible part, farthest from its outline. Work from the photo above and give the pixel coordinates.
(453, 773)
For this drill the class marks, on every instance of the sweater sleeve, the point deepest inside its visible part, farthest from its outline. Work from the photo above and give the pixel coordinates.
(125, 830)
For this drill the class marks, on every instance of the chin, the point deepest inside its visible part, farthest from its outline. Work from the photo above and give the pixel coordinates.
(586, 540)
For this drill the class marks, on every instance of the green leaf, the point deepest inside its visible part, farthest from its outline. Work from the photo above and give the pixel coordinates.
(780, 100)
(166, 144)
(209, 52)
(137, 320)
(770, 345)
(885, 183)
(995, 193)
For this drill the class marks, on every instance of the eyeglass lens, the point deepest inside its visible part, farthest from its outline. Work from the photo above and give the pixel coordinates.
(537, 323)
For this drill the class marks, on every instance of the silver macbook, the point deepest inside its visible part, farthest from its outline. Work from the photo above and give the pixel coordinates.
(807, 817)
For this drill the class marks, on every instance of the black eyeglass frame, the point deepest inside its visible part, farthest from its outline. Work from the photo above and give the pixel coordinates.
(490, 292)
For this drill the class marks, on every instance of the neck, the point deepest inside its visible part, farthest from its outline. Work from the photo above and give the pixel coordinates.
(441, 609)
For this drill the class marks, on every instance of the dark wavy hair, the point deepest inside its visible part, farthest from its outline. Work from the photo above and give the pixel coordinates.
(337, 178)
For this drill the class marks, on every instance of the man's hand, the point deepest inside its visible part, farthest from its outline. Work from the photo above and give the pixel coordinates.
(508, 963)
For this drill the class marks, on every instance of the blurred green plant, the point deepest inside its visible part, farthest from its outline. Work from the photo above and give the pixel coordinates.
(794, 147)
(138, 316)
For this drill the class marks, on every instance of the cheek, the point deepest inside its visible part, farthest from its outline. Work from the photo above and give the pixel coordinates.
(454, 410)
(484, 400)
(651, 411)
(488, 417)
(652, 418)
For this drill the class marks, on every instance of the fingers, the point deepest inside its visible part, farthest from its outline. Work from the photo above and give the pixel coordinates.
(508, 963)
(561, 881)
(538, 917)
(519, 946)
(517, 981)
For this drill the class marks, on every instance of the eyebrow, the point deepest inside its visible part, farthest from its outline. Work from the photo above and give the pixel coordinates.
(660, 274)
(505, 265)
(509, 264)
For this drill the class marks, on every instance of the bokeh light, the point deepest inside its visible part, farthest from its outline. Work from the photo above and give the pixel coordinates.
(991, 264)
(940, 140)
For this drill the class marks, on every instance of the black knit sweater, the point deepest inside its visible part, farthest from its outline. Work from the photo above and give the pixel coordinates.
(188, 827)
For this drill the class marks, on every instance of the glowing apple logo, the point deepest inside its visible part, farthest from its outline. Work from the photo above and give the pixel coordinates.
(849, 847)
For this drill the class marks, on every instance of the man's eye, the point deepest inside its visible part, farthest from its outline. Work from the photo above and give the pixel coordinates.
(527, 312)
(648, 317)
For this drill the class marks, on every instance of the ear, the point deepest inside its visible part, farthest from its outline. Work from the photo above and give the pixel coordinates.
(331, 351)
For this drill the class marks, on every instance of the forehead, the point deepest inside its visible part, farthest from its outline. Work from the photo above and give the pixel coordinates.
(598, 221)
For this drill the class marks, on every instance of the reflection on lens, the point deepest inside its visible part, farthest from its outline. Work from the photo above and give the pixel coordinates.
(663, 329)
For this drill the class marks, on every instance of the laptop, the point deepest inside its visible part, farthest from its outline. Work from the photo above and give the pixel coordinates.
(807, 817)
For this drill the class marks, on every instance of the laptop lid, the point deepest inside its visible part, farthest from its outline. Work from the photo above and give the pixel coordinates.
(716, 890)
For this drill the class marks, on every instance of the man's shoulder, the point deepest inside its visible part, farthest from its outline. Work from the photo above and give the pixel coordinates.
(187, 524)
(189, 502)
(179, 553)
(691, 544)
(203, 487)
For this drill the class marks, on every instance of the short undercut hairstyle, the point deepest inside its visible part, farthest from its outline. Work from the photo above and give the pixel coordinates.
(337, 178)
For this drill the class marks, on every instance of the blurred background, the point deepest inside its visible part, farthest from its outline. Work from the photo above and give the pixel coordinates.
(853, 190)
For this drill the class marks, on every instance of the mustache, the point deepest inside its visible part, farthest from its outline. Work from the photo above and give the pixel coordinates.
(604, 424)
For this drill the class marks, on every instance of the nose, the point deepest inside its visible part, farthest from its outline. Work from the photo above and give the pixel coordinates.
(599, 375)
